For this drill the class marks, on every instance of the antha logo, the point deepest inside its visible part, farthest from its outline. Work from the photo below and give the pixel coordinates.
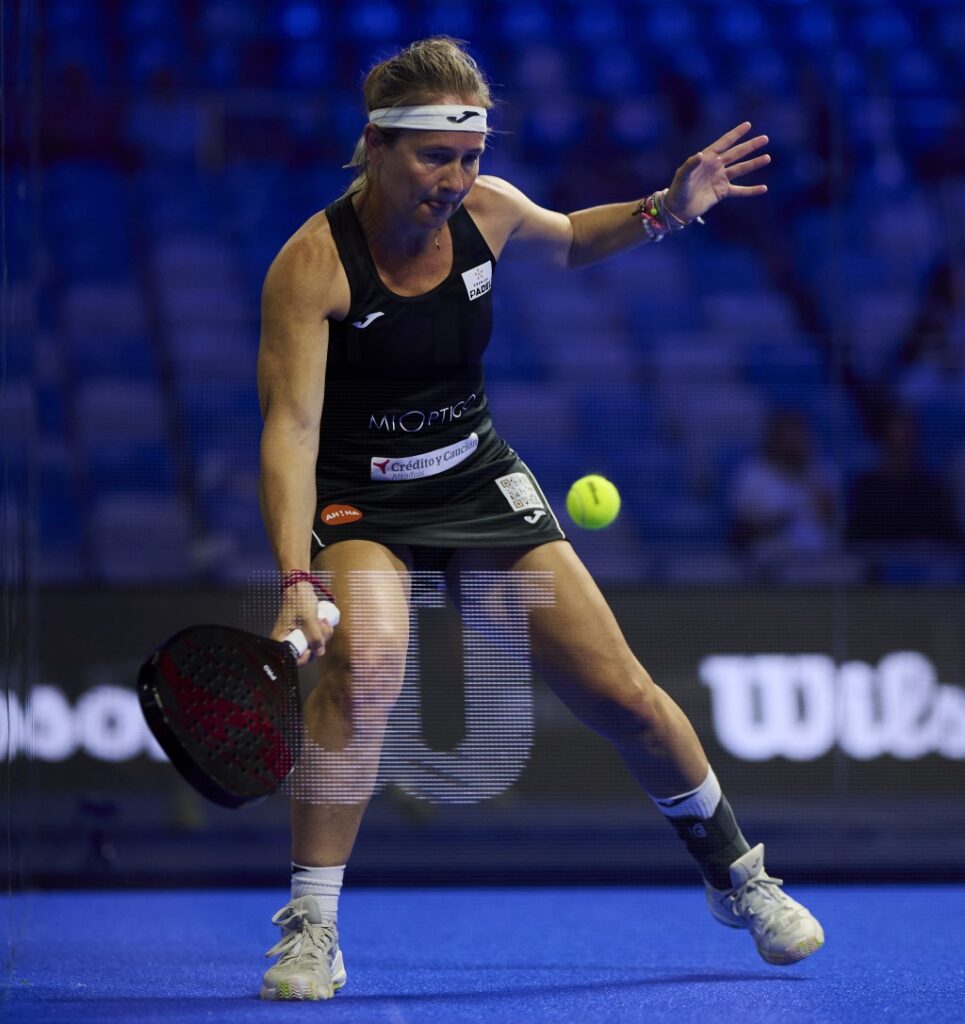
(339, 515)
(362, 324)
(801, 706)
(464, 116)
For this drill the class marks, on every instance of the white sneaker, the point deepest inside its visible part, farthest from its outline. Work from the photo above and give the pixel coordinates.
(782, 929)
(310, 962)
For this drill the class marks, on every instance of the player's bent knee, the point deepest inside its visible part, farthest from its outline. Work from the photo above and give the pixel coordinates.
(370, 667)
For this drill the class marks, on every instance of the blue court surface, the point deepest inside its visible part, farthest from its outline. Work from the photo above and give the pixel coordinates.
(519, 956)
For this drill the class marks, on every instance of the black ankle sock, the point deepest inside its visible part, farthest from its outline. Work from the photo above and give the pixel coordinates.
(714, 842)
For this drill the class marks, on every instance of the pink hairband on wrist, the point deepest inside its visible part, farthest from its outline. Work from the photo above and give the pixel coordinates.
(291, 577)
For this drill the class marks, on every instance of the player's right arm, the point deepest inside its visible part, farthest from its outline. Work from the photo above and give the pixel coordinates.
(303, 288)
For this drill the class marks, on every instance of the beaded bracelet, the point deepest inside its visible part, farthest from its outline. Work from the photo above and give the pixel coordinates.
(655, 218)
(292, 576)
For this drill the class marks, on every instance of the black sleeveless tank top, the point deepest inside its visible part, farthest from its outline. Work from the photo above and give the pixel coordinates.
(404, 374)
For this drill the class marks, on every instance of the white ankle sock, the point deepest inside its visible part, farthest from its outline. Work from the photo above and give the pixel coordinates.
(325, 884)
(698, 803)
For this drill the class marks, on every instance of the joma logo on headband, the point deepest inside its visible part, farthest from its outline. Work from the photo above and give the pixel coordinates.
(466, 114)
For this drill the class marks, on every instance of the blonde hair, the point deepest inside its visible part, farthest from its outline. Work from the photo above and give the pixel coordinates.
(423, 72)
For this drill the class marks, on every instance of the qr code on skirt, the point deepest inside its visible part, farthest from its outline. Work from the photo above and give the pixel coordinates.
(518, 490)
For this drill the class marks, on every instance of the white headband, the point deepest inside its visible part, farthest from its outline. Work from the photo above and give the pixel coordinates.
(438, 118)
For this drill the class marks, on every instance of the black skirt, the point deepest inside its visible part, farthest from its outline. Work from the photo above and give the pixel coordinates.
(489, 499)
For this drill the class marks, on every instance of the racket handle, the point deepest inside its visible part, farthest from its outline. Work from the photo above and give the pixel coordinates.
(326, 610)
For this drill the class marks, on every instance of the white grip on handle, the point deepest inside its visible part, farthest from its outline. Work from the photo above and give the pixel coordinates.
(327, 611)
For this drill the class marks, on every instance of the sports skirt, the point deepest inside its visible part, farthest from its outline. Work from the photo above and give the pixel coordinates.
(487, 500)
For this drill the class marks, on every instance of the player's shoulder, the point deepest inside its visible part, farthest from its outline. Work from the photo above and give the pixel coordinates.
(310, 250)
(308, 269)
(497, 208)
(497, 194)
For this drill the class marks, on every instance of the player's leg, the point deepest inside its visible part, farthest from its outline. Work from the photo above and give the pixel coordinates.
(580, 650)
(358, 681)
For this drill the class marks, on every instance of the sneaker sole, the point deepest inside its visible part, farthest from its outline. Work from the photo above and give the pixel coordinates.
(798, 952)
(308, 990)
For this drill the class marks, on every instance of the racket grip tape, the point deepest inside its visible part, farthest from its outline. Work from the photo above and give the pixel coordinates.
(298, 640)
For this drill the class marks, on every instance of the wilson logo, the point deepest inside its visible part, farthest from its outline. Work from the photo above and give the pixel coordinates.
(339, 515)
(802, 706)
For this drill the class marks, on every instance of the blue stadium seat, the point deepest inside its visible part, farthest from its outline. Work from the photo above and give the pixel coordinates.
(307, 64)
(223, 416)
(300, 19)
(742, 26)
(527, 21)
(141, 538)
(107, 409)
(373, 20)
(122, 436)
(672, 25)
(599, 25)
(59, 542)
(136, 466)
(457, 20)
(115, 307)
(151, 18)
(884, 27)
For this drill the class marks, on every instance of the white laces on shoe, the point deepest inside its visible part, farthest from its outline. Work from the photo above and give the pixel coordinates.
(302, 937)
(763, 899)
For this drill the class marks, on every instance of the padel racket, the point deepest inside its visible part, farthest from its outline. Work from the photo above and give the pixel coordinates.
(225, 707)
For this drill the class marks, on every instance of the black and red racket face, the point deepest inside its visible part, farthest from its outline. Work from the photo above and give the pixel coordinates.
(224, 706)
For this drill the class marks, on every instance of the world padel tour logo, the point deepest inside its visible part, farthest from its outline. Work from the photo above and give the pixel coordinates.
(339, 515)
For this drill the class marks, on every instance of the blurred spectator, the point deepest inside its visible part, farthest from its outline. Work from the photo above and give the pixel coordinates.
(784, 500)
(930, 365)
(901, 500)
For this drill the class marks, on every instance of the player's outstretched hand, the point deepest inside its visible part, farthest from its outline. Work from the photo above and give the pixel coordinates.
(707, 177)
(299, 610)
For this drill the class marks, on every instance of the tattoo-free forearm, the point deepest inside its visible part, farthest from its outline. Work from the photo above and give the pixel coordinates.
(287, 490)
(604, 231)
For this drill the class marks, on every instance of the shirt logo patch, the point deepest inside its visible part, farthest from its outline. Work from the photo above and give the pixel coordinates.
(415, 467)
(339, 515)
(479, 280)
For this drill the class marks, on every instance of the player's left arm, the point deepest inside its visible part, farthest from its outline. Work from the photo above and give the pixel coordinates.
(595, 234)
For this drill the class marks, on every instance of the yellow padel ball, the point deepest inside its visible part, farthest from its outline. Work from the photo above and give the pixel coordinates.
(593, 502)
